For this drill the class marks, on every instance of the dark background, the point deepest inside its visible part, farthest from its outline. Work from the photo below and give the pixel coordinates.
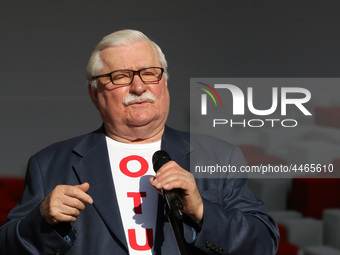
(45, 46)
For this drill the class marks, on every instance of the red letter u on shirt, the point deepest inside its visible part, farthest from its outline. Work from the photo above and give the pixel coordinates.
(133, 241)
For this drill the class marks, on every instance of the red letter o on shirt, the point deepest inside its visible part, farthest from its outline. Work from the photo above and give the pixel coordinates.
(123, 166)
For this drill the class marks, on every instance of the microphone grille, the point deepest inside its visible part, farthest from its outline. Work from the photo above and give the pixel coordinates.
(160, 158)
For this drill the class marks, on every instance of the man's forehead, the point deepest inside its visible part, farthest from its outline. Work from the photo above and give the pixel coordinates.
(141, 54)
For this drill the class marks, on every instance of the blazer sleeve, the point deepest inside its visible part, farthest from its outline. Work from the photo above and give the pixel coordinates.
(25, 230)
(235, 220)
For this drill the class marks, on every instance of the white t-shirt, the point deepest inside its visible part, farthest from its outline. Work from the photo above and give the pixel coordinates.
(131, 166)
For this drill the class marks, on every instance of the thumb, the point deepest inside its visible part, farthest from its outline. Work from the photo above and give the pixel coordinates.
(84, 186)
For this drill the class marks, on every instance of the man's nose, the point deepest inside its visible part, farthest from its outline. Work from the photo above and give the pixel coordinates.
(137, 86)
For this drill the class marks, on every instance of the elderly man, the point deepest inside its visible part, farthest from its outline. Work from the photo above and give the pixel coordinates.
(97, 193)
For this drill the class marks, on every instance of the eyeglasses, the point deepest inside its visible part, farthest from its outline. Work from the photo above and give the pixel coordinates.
(125, 76)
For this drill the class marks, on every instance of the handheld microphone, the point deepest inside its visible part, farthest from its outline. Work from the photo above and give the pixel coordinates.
(175, 205)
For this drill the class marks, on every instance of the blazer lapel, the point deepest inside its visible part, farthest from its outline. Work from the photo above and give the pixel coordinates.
(94, 168)
(178, 146)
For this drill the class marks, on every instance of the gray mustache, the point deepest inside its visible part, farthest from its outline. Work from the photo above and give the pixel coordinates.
(131, 98)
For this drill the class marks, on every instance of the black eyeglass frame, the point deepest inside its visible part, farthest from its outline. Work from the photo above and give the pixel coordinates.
(134, 72)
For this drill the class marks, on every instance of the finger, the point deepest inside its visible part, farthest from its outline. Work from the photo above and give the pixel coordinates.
(169, 183)
(70, 211)
(171, 169)
(61, 214)
(167, 177)
(84, 186)
(76, 192)
(73, 203)
(68, 218)
(166, 167)
(151, 180)
(64, 218)
(174, 184)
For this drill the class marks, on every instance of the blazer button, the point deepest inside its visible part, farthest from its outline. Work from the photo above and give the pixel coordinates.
(219, 250)
(57, 252)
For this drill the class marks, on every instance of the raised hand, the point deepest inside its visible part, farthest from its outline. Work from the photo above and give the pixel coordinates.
(65, 203)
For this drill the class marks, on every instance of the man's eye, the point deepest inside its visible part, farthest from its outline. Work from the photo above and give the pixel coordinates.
(149, 74)
(120, 76)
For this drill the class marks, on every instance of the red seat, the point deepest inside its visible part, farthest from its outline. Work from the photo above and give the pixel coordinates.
(286, 248)
(283, 232)
(13, 186)
(7, 203)
(2, 218)
(11, 190)
(312, 196)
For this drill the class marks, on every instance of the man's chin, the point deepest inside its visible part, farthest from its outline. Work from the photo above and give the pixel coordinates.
(140, 123)
(141, 118)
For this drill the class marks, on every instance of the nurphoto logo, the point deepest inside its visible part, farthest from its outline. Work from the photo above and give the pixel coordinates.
(243, 101)
(280, 124)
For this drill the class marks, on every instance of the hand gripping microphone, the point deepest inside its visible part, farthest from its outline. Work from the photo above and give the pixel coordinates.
(175, 205)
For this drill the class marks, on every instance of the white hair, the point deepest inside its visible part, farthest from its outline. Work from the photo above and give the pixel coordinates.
(119, 38)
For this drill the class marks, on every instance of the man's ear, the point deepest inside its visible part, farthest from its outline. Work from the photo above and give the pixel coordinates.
(93, 94)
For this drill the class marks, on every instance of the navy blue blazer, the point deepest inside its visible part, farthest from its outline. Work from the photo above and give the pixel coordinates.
(235, 221)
